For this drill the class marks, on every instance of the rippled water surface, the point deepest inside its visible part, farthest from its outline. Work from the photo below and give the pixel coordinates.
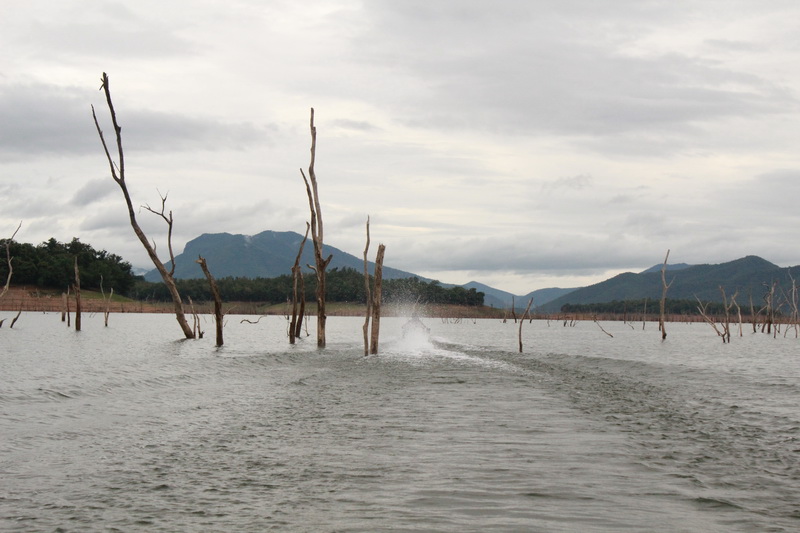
(127, 428)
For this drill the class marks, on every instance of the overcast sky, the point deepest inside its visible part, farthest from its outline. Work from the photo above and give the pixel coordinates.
(523, 144)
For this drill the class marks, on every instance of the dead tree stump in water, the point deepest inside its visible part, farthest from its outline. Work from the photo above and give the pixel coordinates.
(217, 298)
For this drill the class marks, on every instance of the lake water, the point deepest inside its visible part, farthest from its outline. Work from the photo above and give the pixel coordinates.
(126, 428)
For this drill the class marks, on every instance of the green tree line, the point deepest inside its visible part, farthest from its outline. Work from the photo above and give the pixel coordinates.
(344, 285)
(51, 264)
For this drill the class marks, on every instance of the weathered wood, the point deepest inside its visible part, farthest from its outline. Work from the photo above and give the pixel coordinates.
(665, 286)
(217, 298)
(317, 236)
(528, 308)
(376, 301)
(296, 322)
(4, 290)
(368, 295)
(77, 288)
(118, 174)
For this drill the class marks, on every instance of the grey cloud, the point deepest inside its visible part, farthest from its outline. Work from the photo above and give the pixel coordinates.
(93, 191)
(578, 182)
(101, 29)
(530, 70)
(44, 119)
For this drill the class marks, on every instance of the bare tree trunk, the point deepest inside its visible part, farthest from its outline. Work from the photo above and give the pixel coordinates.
(118, 174)
(376, 301)
(8, 259)
(106, 302)
(69, 318)
(702, 308)
(317, 235)
(217, 298)
(530, 302)
(644, 314)
(77, 287)
(368, 295)
(297, 277)
(64, 306)
(11, 326)
(666, 286)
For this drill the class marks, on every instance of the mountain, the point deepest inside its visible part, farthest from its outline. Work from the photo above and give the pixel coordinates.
(502, 299)
(748, 275)
(266, 255)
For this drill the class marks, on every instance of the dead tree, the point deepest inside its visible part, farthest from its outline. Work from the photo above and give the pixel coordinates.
(769, 299)
(530, 302)
(702, 308)
(373, 298)
(296, 323)
(217, 298)
(726, 326)
(8, 260)
(367, 295)
(77, 288)
(376, 301)
(118, 174)
(644, 314)
(317, 236)
(665, 286)
(106, 302)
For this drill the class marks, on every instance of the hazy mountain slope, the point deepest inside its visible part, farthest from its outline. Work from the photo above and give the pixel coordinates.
(265, 255)
(747, 275)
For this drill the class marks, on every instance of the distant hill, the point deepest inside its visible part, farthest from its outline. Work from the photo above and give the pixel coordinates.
(266, 255)
(675, 266)
(503, 300)
(747, 275)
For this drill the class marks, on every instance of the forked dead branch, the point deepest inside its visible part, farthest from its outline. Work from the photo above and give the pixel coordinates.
(118, 174)
(317, 235)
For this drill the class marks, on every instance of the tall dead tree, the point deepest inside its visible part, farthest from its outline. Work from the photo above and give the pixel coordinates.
(212, 283)
(376, 301)
(528, 308)
(298, 293)
(665, 286)
(8, 260)
(317, 235)
(77, 288)
(367, 295)
(106, 301)
(118, 174)
(373, 298)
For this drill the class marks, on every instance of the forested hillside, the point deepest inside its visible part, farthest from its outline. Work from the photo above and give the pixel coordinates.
(51, 264)
(749, 276)
(344, 285)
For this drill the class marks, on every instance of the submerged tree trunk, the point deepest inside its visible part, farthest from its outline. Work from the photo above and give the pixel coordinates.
(77, 288)
(106, 302)
(217, 298)
(665, 286)
(5, 288)
(118, 174)
(376, 301)
(367, 294)
(317, 236)
(528, 308)
(296, 323)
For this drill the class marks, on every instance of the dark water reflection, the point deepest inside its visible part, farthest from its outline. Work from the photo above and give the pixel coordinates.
(126, 428)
